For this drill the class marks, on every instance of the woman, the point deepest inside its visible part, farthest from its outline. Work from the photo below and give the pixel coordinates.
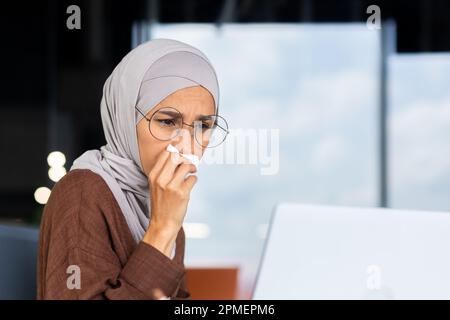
(112, 228)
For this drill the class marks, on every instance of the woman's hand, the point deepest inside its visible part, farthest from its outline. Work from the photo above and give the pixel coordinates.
(170, 193)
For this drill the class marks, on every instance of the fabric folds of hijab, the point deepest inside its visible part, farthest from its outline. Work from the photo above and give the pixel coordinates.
(145, 76)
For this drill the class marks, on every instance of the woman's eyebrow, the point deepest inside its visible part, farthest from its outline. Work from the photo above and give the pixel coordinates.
(170, 113)
(204, 117)
(177, 115)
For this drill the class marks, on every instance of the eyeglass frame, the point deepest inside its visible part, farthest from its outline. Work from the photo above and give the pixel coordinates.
(184, 123)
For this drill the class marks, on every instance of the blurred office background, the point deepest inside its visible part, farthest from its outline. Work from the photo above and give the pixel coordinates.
(363, 114)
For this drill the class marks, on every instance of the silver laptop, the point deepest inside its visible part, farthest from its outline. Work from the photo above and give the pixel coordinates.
(324, 252)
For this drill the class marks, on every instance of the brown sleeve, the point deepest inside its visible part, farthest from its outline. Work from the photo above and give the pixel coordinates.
(75, 232)
(146, 270)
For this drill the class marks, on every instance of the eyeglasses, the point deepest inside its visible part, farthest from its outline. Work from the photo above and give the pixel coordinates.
(167, 123)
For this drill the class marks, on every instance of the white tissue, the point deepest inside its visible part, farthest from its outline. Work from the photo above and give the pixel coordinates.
(191, 157)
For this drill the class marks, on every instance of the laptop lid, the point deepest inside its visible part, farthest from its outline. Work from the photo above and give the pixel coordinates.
(325, 252)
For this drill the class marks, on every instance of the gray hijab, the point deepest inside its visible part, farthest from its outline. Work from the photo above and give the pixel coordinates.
(145, 76)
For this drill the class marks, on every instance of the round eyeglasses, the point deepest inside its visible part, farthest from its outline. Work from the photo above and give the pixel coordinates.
(167, 123)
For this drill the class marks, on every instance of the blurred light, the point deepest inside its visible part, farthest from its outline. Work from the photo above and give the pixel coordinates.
(42, 194)
(56, 159)
(261, 230)
(196, 230)
(56, 173)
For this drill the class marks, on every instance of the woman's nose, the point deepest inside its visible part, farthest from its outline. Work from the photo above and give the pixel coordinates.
(185, 141)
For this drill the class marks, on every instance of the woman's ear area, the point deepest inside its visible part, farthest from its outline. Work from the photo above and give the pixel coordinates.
(139, 130)
(144, 142)
(148, 146)
(140, 144)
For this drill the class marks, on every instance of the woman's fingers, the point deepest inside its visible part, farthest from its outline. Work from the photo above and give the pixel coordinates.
(170, 194)
(172, 162)
(189, 183)
(162, 158)
(171, 169)
(181, 172)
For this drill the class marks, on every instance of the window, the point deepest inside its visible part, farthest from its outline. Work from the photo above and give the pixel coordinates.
(317, 84)
(419, 131)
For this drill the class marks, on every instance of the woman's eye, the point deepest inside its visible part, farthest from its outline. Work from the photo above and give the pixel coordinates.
(166, 122)
(206, 126)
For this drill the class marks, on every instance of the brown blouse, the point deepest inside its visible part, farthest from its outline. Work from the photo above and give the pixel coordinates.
(84, 234)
